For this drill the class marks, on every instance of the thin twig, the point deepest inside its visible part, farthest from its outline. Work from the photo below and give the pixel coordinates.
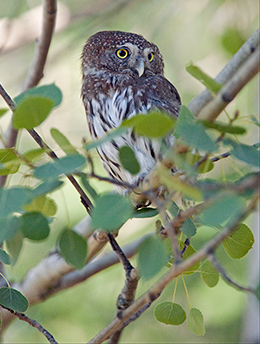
(223, 273)
(33, 323)
(227, 72)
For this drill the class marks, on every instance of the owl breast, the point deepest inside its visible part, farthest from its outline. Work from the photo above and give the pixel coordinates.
(106, 111)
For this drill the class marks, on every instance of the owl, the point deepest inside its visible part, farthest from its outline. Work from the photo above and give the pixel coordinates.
(123, 77)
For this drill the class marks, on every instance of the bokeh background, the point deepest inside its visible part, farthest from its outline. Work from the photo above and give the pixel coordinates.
(206, 32)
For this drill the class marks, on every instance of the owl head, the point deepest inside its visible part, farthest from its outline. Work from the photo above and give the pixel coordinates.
(121, 52)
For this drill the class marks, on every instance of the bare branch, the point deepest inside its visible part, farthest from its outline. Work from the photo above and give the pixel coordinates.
(35, 72)
(244, 74)
(227, 72)
(35, 324)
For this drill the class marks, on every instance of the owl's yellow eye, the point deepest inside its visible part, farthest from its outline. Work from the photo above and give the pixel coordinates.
(122, 53)
(150, 56)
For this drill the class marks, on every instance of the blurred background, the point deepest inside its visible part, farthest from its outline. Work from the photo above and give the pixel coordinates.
(206, 32)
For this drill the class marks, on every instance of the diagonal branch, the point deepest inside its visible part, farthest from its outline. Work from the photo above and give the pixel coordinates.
(244, 74)
(35, 324)
(227, 72)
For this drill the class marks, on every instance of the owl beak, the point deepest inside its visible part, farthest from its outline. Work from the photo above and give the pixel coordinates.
(139, 66)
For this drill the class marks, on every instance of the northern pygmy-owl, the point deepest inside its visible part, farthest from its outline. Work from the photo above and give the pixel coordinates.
(122, 77)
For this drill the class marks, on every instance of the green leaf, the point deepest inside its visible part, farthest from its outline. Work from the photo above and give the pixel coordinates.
(188, 162)
(170, 313)
(185, 117)
(34, 226)
(3, 111)
(4, 257)
(224, 208)
(46, 187)
(73, 248)
(128, 160)
(111, 212)
(175, 183)
(34, 154)
(188, 228)
(66, 165)
(189, 252)
(152, 257)
(14, 246)
(209, 274)
(248, 154)
(9, 160)
(204, 78)
(92, 192)
(31, 112)
(106, 138)
(255, 120)
(153, 125)
(13, 299)
(196, 322)
(239, 242)
(8, 227)
(195, 136)
(232, 39)
(145, 212)
(51, 92)
(223, 128)
(63, 142)
(13, 199)
(42, 204)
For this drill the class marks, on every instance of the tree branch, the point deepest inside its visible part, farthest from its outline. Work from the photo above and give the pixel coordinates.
(227, 72)
(33, 323)
(244, 74)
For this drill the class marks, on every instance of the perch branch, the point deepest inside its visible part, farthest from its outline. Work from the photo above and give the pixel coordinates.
(227, 72)
(33, 323)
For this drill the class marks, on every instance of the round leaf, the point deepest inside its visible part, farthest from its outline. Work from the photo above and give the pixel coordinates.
(63, 142)
(51, 92)
(239, 242)
(128, 160)
(154, 124)
(34, 226)
(196, 322)
(8, 227)
(73, 248)
(4, 257)
(209, 274)
(42, 204)
(13, 199)
(66, 165)
(111, 212)
(170, 313)
(189, 252)
(152, 257)
(31, 112)
(10, 161)
(13, 299)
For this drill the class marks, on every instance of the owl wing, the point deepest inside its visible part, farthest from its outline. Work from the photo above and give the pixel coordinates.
(162, 94)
